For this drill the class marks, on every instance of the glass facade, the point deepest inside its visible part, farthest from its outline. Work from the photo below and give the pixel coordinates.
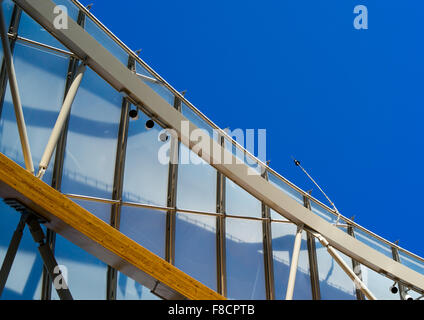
(89, 177)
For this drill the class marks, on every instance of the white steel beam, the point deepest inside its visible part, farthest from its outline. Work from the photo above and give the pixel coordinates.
(294, 263)
(61, 120)
(115, 73)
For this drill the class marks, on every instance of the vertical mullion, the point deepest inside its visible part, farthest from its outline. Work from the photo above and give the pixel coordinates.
(356, 267)
(118, 184)
(220, 231)
(402, 289)
(46, 287)
(313, 260)
(172, 194)
(13, 29)
(267, 246)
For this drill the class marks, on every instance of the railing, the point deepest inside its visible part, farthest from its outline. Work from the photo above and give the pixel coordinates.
(190, 111)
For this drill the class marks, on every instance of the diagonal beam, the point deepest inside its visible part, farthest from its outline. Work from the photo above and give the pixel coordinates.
(97, 237)
(14, 90)
(118, 76)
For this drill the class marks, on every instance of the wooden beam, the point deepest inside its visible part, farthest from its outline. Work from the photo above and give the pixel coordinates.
(97, 237)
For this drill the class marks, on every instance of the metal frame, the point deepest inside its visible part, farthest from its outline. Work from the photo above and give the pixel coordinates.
(14, 90)
(33, 221)
(356, 267)
(13, 31)
(118, 184)
(213, 125)
(267, 247)
(58, 162)
(110, 69)
(294, 263)
(221, 260)
(171, 198)
(402, 289)
(313, 260)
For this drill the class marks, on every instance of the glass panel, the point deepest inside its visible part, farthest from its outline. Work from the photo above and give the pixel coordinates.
(283, 235)
(146, 227)
(70, 6)
(245, 263)
(373, 243)
(411, 262)
(323, 213)
(285, 187)
(99, 209)
(334, 282)
(128, 289)
(7, 11)
(29, 28)
(24, 281)
(86, 275)
(196, 182)
(196, 120)
(41, 79)
(276, 216)
(146, 178)
(378, 284)
(240, 202)
(114, 48)
(195, 247)
(92, 136)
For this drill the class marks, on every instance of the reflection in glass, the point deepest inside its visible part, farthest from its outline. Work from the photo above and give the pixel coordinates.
(41, 82)
(240, 202)
(92, 137)
(128, 289)
(334, 282)
(106, 41)
(196, 187)
(296, 195)
(276, 216)
(283, 235)
(145, 177)
(411, 262)
(29, 28)
(320, 211)
(373, 243)
(195, 247)
(378, 284)
(99, 209)
(146, 227)
(24, 281)
(244, 259)
(86, 275)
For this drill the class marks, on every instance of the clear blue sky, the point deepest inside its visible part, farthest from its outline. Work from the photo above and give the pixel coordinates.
(348, 103)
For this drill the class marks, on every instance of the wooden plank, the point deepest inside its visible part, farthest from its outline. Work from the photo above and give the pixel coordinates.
(97, 237)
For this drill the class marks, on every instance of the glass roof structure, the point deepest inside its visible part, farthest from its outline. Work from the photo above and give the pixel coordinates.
(236, 233)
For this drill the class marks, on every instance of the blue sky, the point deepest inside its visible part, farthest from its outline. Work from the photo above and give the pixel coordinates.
(348, 103)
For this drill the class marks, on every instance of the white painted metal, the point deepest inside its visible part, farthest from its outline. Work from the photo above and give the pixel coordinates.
(294, 263)
(61, 120)
(118, 76)
(14, 90)
(351, 274)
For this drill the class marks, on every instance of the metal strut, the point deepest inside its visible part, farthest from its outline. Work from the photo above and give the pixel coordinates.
(14, 90)
(33, 221)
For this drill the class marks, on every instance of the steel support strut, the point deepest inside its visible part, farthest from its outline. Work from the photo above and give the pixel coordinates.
(11, 252)
(33, 221)
(358, 282)
(14, 90)
(61, 121)
(294, 262)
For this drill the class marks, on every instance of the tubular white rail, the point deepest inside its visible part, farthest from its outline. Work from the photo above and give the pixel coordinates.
(123, 80)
